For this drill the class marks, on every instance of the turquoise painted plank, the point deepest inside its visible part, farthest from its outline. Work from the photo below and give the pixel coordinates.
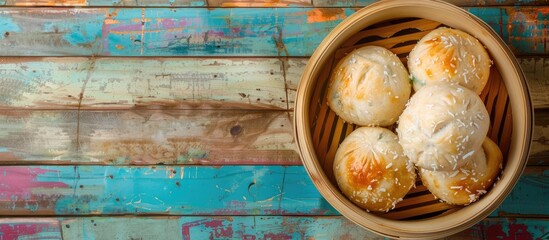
(212, 32)
(301, 196)
(240, 227)
(363, 3)
(274, 227)
(259, 3)
(508, 228)
(102, 3)
(242, 190)
(244, 3)
(522, 28)
(164, 31)
(195, 190)
(27, 229)
(523, 200)
(175, 83)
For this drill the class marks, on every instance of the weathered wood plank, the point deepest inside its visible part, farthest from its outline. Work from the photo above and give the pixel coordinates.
(172, 83)
(244, 227)
(213, 32)
(197, 190)
(183, 137)
(531, 187)
(206, 137)
(27, 228)
(211, 137)
(258, 3)
(165, 31)
(68, 190)
(244, 3)
(175, 83)
(272, 227)
(536, 70)
(129, 3)
(238, 227)
(37, 135)
(464, 3)
(539, 150)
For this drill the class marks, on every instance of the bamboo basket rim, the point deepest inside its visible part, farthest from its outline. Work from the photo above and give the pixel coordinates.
(512, 77)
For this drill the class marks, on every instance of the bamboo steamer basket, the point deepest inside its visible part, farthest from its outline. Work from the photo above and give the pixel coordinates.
(398, 25)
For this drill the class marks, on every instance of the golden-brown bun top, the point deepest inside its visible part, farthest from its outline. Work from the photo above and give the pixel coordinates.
(369, 87)
(465, 185)
(371, 169)
(449, 55)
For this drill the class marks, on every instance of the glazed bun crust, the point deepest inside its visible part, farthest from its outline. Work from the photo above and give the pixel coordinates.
(371, 170)
(465, 185)
(369, 87)
(442, 126)
(449, 55)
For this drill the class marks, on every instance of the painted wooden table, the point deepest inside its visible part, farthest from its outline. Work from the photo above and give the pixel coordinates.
(172, 119)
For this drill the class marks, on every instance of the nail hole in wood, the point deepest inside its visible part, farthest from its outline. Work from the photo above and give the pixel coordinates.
(235, 130)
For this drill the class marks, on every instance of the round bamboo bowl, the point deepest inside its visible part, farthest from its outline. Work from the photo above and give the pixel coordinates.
(398, 25)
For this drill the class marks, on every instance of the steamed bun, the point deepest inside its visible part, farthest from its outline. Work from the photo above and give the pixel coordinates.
(443, 126)
(371, 170)
(369, 87)
(465, 184)
(449, 55)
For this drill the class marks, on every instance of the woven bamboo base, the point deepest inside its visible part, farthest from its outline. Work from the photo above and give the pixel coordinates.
(399, 36)
(397, 25)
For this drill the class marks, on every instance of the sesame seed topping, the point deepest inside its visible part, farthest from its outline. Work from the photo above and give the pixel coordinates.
(481, 191)
(467, 155)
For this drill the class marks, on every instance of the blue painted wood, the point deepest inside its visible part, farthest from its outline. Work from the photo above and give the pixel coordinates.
(363, 3)
(238, 190)
(29, 228)
(195, 190)
(240, 227)
(133, 3)
(244, 3)
(212, 32)
(529, 196)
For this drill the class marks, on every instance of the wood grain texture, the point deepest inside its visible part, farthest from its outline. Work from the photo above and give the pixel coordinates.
(464, 3)
(273, 227)
(182, 137)
(117, 3)
(241, 227)
(539, 150)
(243, 3)
(210, 137)
(30, 228)
(77, 190)
(165, 31)
(175, 83)
(170, 83)
(197, 190)
(258, 3)
(37, 135)
(213, 32)
(536, 70)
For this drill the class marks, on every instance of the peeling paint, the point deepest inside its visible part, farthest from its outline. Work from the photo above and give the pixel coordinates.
(324, 15)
